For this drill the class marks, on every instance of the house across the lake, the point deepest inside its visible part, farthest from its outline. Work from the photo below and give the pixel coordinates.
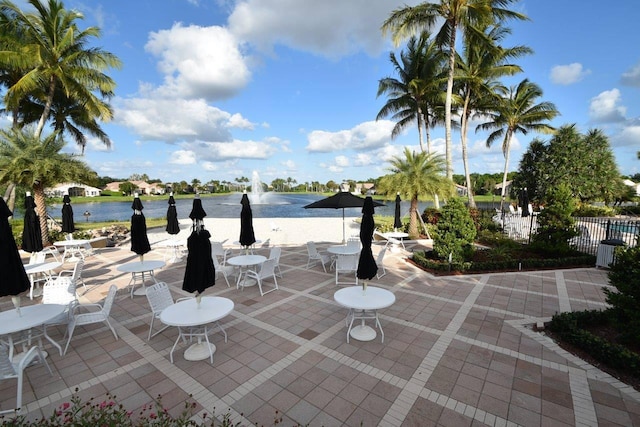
(142, 187)
(73, 189)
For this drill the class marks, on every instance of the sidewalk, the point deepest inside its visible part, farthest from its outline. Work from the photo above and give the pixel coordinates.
(458, 351)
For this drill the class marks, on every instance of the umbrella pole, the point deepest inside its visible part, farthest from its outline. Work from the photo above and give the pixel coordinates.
(344, 240)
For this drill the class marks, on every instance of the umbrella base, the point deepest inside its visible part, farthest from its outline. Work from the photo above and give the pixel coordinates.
(363, 333)
(199, 351)
(141, 291)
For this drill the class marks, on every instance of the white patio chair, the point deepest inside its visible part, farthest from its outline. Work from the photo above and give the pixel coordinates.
(51, 250)
(380, 262)
(10, 370)
(100, 314)
(61, 290)
(218, 250)
(275, 253)
(226, 270)
(354, 242)
(159, 297)
(75, 274)
(346, 265)
(315, 256)
(267, 270)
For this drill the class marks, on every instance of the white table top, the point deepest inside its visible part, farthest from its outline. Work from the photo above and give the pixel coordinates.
(257, 242)
(373, 299)
(41, 267)
(187, 313)
(343, 250)
(396, 234)
(140, 266)
(173, 243)
(76, 242)
(246, 260)
(31, 316)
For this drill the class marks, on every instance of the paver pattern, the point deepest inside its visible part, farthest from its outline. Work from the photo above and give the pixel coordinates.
(458, 351)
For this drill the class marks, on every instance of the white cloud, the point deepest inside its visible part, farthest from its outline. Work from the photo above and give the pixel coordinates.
(342, 161)
(331, 28)
(199, 62)
(219, 151)
(568, 74)
(605, 107)
(629, 136)
(183, 157)
(362, 159)
(239, 122)
(367, 135)
(174, 120)
(631, 77)
(289, 165)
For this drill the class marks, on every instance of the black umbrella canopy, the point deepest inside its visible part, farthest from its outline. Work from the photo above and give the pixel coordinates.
(397, 222)
(13, 279)
(247, 236)
(199, 273)
(524, 201)
(67, 215)
(341, 200)
(139, 239)
(173, 227)
(31, 234)
(367, 267)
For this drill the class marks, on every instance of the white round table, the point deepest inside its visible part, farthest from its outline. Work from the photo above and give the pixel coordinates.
(174, 248)
(25, 318)
(139, 271)
(39, 268)
(72, 247)
(192, 319)
(398, 236)
(245, 262)
(343, 250)
(364, 305)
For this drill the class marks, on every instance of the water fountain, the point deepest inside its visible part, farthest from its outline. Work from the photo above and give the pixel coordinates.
(256, 189)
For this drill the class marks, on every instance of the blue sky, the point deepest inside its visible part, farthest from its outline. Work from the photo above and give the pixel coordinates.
(215, 89)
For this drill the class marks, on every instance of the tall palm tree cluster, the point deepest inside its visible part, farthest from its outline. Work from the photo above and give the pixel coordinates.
(51, 76)
(436, 83)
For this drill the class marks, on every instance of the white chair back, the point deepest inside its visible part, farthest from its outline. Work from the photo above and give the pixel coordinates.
(159, 297)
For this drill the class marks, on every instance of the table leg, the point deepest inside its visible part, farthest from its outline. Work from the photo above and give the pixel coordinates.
(362, 332)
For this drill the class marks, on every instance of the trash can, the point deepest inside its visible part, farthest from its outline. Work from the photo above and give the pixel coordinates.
(606, 248)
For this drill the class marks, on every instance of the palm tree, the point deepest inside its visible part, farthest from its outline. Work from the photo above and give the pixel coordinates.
(455, 15)
(482, 62)
(417, 175)
(414, 95)
(517, 111)
(37, 162)
(55, 54)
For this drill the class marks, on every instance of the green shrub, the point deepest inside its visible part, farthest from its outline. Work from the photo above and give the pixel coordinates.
(431, 216)
(585, 210)
(455, 232)
(555, 223)
(625, 299)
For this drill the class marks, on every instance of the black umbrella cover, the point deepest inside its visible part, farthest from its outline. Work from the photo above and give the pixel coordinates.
(139, 239)
(397, 222)
(247, 236)
(524, 202)
(199, 273)
(197, 212)
(342, 199)
(173, 227)
(13, 279)
(67, 215)
(367, 267)
(31, 234)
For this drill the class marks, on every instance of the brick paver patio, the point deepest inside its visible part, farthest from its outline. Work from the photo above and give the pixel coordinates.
(458, 351)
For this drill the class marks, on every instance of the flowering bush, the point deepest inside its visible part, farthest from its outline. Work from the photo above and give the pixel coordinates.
(111, 413)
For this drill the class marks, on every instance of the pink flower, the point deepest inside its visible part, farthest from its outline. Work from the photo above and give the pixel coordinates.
(65, 406)
(153, 416)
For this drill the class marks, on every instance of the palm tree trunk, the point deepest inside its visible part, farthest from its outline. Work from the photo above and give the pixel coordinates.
(420, 119)
(464, 124)
(41, 210)
(10, 196)
(413, 218)
(447, 102)
(506, 150)
(47, 107)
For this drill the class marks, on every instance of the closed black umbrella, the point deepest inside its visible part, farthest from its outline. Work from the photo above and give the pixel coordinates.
(13, 279)
(340, 200)
(247, 236)
(139, 239)
(524, 202)
(397, 222)
(199, 273)
(367, 267)
(67, 215)
(173, 227)
(31, 234)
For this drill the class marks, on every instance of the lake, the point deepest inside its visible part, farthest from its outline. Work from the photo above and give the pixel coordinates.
(269, 205)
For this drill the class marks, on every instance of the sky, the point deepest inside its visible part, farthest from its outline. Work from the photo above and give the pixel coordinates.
(217, 89)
